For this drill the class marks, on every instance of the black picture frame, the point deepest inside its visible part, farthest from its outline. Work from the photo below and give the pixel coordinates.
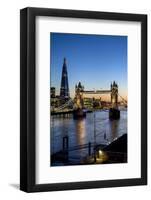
(28, 98)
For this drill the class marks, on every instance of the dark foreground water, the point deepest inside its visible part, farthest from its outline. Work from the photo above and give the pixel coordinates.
(82, 131)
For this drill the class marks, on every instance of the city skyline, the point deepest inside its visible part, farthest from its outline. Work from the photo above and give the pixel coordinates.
(94, 60)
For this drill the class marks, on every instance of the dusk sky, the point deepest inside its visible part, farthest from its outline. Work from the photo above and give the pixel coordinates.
(95, 60)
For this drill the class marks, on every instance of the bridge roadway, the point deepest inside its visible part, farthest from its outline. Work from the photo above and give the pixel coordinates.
(70, 111)
(96, 91)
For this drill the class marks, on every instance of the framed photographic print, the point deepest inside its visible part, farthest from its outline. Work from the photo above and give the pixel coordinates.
(83, 99)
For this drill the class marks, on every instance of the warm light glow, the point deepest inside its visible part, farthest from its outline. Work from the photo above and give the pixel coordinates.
(100, 153)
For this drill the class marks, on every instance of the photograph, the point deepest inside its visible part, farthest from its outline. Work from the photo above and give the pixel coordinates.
(83, 99)
(88, 99)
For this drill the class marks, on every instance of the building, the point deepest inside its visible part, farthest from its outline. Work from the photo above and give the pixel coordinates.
(88, 103)
(64, 89)
(53, 92)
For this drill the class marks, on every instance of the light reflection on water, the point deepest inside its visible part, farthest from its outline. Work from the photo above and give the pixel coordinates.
(81, 131)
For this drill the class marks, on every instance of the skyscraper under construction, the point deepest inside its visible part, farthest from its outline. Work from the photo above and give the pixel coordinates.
(64, 90)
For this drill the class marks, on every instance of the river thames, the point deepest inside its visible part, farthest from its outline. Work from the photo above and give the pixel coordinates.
(96, 127)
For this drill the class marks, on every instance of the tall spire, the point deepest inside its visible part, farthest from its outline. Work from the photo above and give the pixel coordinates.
(64, 61)
(64, 90)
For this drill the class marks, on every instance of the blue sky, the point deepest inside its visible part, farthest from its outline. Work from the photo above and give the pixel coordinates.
(95, 60)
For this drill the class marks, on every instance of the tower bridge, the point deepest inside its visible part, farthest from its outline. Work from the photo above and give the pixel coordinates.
(77, 104)
(79, 95)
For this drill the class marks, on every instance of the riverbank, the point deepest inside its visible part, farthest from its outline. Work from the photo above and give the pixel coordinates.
(115, 152)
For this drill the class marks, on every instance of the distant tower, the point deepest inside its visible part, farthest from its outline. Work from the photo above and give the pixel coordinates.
(114, 112)
(64, 90)
(53, 92)
(79, 103)
(114, 95)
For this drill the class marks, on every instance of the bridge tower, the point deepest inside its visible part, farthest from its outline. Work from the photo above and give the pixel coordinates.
(114, 112)
(79, 102)
(114, 95)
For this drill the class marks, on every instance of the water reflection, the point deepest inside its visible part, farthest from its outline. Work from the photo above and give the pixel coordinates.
(113, 128)
(82, 131)
(64, 130)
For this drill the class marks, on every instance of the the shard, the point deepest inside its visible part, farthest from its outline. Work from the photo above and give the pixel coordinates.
(64, 89)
